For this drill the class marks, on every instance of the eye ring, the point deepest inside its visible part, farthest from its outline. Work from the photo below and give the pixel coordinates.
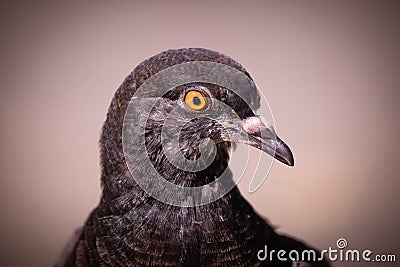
(195, 100)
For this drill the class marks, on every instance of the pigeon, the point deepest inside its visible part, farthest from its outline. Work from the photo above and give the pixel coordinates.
(131, 226)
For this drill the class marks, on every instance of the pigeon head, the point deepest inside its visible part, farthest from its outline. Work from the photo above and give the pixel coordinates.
(193, 124)
(169, 198)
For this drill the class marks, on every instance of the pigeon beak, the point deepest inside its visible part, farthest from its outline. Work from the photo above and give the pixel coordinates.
(261, 134)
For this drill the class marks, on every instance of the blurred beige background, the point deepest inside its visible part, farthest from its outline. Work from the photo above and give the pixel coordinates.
(330, 71)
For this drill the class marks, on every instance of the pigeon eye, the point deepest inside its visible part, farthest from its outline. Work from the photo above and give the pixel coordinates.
(195, 100)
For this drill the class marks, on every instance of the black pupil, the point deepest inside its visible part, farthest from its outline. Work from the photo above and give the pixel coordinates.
(196, 101)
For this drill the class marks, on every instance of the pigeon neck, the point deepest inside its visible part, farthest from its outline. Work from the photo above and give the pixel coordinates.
(117, 179)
